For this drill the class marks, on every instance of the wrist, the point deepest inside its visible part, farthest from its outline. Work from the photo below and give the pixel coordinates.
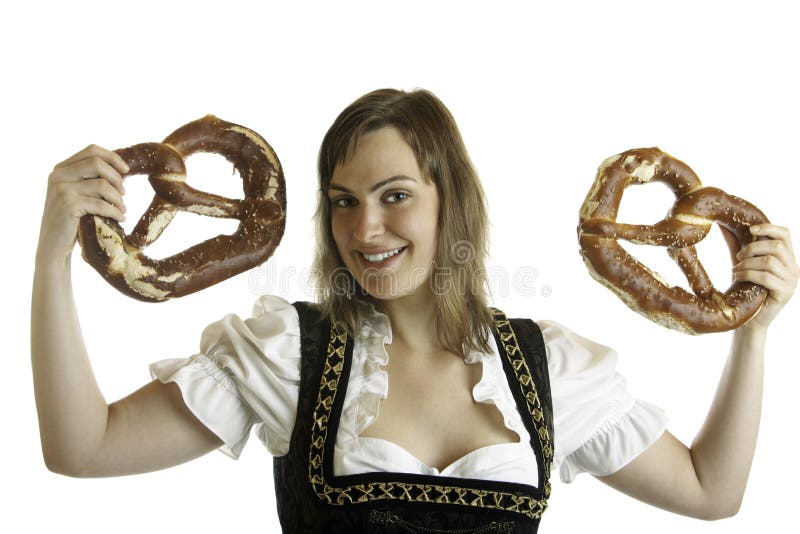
(750, 334)
(48, 260)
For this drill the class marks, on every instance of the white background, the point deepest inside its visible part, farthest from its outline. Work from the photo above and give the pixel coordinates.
(543, 93)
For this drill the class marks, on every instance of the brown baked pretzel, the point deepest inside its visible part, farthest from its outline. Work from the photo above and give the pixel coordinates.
(262, 214)
(689, 220)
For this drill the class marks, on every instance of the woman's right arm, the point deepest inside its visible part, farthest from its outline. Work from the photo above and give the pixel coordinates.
(81, 434)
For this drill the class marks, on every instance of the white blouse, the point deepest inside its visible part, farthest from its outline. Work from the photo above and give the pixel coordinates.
(248, 374)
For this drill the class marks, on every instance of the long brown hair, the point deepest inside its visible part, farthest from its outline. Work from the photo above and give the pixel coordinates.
(463, 316)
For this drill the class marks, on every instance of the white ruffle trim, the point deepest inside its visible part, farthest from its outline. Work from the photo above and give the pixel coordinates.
(616, 443)
(370, 383)
(367, 381)
(493, 388)
(246, 374)
(211, 396)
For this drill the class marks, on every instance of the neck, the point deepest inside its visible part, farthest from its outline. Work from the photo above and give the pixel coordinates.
(413, 319)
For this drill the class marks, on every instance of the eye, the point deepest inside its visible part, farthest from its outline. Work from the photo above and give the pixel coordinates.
(343, 202)
(396, 196)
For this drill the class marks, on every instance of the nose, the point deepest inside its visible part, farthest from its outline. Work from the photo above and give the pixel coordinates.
(368, 223)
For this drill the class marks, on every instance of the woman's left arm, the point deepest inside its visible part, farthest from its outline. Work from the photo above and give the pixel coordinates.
(708, 480)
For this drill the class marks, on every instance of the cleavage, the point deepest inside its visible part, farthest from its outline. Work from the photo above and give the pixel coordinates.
(430, 411)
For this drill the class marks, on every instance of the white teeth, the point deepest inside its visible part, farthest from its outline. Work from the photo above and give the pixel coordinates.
(382, 256)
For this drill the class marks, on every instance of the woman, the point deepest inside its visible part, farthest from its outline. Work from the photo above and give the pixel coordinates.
(371, 401)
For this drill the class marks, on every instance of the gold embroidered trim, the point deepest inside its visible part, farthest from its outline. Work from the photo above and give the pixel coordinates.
(528, 388)
(413, 492)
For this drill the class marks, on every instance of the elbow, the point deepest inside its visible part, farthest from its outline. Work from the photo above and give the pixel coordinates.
(54, 462)
(61, 465)
(718, 514)
(721, 510)
(70, 471)
(725, 513)
(57, 466)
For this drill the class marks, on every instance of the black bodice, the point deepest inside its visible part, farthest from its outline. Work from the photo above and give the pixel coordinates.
(312, 500)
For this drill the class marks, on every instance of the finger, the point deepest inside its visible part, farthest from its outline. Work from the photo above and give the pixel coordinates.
(773, 231)
(77, 204)
(99, 188)
(767, 247)
(88, 168)
(778, 288)
(98, 206)
(769, 264)
(110, 157)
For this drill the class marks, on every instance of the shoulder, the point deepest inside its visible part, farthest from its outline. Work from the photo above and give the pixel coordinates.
(272, 319)
(272, 305)
(569, 353)
(273, 315)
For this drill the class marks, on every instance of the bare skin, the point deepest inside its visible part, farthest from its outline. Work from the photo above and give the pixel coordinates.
(439, 386)
(82, 435)
(708, 479)
(424, 378)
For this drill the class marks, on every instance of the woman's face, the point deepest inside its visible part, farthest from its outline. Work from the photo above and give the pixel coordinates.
(384, 215)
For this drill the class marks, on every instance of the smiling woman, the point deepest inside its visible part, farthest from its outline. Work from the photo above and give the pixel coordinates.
(393, 138)
(403, 401)
(386, 232)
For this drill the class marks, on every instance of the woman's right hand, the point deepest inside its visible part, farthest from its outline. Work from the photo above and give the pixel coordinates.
(90, 182)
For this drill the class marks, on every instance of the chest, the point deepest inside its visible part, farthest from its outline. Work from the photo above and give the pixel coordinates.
(309, 494)
(430, 410)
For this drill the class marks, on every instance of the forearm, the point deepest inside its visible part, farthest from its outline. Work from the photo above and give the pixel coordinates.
(709, 479)
(72, 410)
(722, 451)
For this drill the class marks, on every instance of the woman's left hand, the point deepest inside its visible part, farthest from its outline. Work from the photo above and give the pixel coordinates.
(769, 263)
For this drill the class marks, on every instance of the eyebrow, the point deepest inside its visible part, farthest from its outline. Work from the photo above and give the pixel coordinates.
(375, 187)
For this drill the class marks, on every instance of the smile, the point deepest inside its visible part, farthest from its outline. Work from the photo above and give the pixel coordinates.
(375, 258)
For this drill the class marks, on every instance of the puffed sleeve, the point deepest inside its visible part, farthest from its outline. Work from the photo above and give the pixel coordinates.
(599, 426)
(247, 374)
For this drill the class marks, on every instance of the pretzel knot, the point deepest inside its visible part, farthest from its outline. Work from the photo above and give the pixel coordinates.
(688, 221)
(262, 214)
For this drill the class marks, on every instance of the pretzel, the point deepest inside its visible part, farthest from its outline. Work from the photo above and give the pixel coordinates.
(120, 259)
(688, 221)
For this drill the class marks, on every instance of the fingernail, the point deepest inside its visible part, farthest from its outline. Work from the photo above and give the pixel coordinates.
(755, 228)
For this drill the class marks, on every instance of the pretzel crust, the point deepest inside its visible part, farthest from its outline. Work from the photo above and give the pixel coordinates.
(120, 259)
(703, 310)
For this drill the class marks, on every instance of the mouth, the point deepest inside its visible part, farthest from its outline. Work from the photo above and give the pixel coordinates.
(380, 259)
